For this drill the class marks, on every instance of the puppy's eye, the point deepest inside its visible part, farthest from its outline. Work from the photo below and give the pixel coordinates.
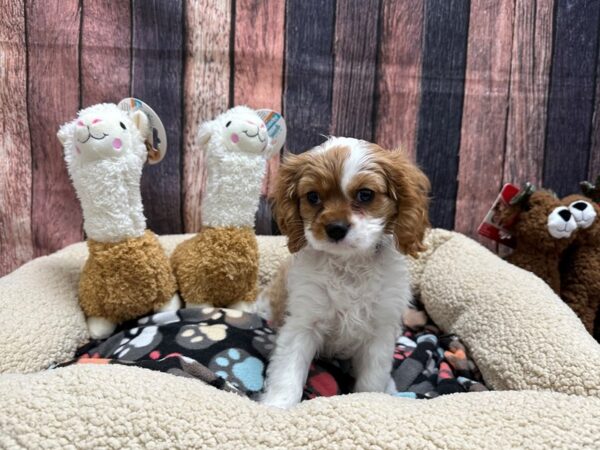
(227, 124)
(365, 195)
(122, 125)
(313, 198)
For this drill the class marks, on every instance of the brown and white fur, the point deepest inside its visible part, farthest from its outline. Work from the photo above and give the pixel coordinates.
(351, 211)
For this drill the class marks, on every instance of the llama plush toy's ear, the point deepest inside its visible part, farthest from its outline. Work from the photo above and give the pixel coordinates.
(205, 132)
(141, 121)
(64, 132)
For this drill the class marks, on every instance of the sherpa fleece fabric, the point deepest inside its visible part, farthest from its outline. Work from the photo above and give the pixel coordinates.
(467, 290)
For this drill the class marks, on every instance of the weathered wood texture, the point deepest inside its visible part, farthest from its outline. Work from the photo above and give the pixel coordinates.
(594, 161)
(16, 245)
(53, 29)
(105, 51)
(355, 53)
(529, 82)
(399, 74)
(205, 91)
(258, 73)
(572, 88)
(157, 70)
(479, 93)
(484, 115)
(442, 84)
(308, 72)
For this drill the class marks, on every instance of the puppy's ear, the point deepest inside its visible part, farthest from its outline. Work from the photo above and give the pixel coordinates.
(286, 203)
(409, 187)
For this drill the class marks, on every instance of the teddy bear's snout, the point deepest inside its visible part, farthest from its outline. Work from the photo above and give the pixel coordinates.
(561, 223)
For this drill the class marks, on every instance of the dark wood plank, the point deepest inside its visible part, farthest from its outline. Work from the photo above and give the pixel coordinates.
(53, 29)
(105, 51)
(16, 245)
(399, 74)
(529, 84)
(446, 25)
(484, 113)
(258, 72)
(355, 49)
(308, 72)
(594, 162)
(206, 91)
(157, 80)
(571, 97)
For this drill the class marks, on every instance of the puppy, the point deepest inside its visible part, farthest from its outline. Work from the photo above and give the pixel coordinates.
(351, 212)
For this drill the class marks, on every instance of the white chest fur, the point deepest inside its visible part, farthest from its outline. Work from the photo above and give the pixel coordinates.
(351, 298)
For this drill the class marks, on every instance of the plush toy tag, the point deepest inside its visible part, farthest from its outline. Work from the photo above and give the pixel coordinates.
(491, 227)
(275, 127)
(158, 147)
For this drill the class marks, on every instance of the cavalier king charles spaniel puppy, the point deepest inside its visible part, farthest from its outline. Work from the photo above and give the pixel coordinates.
(351, 212)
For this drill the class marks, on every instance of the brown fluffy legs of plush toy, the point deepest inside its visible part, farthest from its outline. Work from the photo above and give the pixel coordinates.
(218, 266)
(272, 301)
(124, 280)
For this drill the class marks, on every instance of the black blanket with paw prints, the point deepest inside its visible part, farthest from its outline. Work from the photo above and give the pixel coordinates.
(229, 350)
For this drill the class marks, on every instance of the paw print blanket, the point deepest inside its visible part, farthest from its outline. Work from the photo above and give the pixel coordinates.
(229, 350)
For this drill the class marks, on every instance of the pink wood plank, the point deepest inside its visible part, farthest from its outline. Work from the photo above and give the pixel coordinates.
(15, 151)
(53, 28)
(484, 112)
(258, 70)
(399, 74)
(530, 76)
(206, 90)
(105, 51)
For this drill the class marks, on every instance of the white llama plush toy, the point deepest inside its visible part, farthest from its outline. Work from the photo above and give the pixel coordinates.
(219, 266)
(127, 273)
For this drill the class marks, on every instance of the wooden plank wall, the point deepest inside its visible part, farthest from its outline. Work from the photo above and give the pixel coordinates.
(479, 93)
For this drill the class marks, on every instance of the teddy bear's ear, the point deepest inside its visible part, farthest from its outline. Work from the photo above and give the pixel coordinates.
(141, 121)
(591, 190)
(522, 197)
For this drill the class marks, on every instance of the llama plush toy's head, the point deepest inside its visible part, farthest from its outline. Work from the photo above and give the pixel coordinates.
(238, 130)
(104, 131)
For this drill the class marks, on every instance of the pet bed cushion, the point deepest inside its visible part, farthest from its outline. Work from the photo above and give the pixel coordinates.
(229, 350)
(519, 333)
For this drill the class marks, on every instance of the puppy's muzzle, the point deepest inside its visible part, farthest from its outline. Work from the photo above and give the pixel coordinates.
(337, 230)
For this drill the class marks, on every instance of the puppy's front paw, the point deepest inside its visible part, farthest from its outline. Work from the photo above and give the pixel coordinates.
(277, 401)
(99, 327)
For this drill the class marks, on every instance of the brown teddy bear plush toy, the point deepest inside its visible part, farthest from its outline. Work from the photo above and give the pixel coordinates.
(543, 228)
(580, 266)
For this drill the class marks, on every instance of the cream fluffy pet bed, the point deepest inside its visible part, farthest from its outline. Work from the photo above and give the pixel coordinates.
(466, 290)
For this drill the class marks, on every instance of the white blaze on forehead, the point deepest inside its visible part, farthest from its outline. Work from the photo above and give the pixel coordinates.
(356, 161)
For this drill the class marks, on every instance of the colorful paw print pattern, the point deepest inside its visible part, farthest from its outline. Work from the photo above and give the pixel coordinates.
(201, 336)
(264, 341)
(230, 350)
(240, 368)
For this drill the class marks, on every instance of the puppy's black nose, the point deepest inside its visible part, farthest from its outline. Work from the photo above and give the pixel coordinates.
(337, 230)
(580, 205)
(565, 214)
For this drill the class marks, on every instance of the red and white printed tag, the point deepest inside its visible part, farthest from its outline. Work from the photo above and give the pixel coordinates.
(491, 227)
